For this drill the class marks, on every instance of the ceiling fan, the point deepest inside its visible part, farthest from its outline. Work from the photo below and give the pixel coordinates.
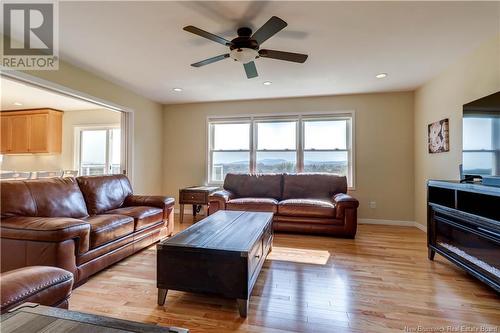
(246, 47)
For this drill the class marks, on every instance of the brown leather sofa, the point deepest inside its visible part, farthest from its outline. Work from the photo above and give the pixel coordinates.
(314, 203)
(50, 286)
(79, 224)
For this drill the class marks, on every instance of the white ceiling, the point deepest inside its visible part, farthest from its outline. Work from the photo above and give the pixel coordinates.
(32, 98)
(141, 45)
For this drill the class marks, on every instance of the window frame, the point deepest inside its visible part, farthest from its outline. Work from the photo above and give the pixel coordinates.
(349, 144)
(211, 151)
(78, 145)
(300, 119)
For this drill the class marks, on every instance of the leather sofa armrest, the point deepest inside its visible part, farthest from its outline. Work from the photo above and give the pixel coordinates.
(50, 286)
(157, 201)
(47, 229)
(342, 202)
(218, 199)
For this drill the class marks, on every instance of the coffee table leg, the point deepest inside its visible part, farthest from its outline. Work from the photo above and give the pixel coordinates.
(162, 294)
(242, 307)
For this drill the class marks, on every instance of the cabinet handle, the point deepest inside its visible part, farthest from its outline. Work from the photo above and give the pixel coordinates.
(257, 256)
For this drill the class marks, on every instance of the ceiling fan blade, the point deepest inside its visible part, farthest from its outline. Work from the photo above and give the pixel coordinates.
(269, 29)
(250, 69)
(210, 60)
(280, 55)
(208, 35)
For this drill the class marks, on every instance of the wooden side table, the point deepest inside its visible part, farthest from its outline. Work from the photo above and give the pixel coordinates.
(196, 196)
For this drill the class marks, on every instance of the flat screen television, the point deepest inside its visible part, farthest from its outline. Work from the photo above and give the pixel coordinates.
(481, 136)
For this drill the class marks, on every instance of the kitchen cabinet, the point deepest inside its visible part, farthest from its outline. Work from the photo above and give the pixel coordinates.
(31, 131)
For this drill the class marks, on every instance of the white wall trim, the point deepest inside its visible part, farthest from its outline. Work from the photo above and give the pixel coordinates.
(421, 227)
(188, 211)
(393, 222)
(55, 87)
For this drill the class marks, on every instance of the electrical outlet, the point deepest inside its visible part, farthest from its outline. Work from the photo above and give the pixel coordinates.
(373, 204)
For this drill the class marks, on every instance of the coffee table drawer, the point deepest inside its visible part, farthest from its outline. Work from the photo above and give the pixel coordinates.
(193, 197)
(255, 257)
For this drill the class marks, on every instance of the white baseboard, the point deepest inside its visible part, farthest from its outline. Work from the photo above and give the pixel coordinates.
(189, 210)
(421, 227)
(393, 222)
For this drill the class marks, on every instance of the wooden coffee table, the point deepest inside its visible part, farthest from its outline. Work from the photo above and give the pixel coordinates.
(222, 254)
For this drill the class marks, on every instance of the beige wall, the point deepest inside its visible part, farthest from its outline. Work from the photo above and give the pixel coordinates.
(74, 119)
(31, 162)
(148, 143)
(473, 77)
(383, 139)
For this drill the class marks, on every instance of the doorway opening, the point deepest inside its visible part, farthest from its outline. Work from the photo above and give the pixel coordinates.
(93, 136)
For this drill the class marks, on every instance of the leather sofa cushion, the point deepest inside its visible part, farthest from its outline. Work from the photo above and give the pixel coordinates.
(254, 185)
(313, 185)
(103, 193)
(47, 229)
(253, 204)
(108, 227)
(144, 216)
(307, 208)
(44, 285)
(51, 197)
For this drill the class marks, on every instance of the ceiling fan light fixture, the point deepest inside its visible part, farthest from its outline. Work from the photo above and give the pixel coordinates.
(244, 55)
(246, 47)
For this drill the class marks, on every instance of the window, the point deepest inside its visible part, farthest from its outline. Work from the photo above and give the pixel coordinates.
(276, 146)
(481, 145)
(98, 151)
(229, 149)
(296, 143)
(326, 146)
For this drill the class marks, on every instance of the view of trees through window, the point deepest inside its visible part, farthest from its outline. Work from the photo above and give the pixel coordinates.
(288, 145)
(276, 146)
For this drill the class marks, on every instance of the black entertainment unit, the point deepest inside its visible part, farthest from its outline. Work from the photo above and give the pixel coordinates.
(463, 225)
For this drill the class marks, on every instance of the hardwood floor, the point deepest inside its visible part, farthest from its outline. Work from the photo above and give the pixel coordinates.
(380, 282)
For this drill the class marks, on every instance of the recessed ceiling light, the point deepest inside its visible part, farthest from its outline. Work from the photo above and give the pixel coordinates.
(267, 83)
(17, 103)
(381, 75)
(177, 89)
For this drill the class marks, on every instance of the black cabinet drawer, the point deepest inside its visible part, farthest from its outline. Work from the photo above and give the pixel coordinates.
(255, 256)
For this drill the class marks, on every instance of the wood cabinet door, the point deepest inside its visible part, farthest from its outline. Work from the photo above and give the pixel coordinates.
(38, 133)
(19, 134)
(5, 134)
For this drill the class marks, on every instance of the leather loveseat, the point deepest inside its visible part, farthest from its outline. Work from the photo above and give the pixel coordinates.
(50, 286)
(314, 203)
(79, 224)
